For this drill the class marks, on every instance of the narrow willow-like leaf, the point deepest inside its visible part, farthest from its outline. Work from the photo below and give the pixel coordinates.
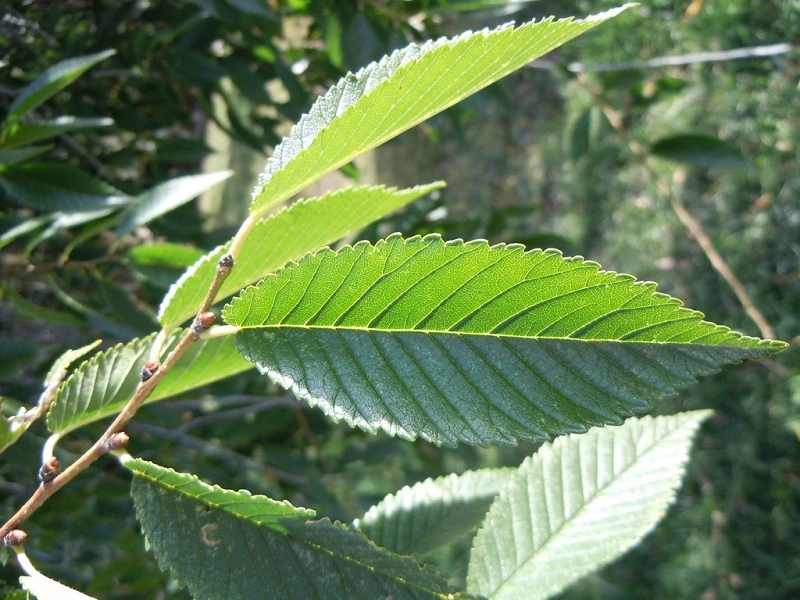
(21, 134)
(303, 227)
(18, 155)
(51, 81)
(699, 150)
(165, 197)
(232, 545)
(54, 187)
(101, 386)
(401, 90)
(434, 512)
(578, 504)
(466, 342)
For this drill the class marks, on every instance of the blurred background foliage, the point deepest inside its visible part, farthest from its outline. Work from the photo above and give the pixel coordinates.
(561, 154)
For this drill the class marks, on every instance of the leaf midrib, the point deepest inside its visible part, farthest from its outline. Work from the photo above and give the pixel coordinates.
(587, 502)
(340, 328)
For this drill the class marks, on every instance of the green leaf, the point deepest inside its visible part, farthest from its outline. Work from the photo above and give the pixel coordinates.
(101, 386)
(21, 134)
(58, 371)
(164, 254)
(699, 150)
(52, 187)
(181, 150)
(434, 512)
(287, 235)
(37, 311)
(12, 428)
(51, 82)
(161, 263)
(466, 342)
(578, 504)
(18, 155)
(165, 197)
(256, 8)
(9, 432)
(26, 226)
(401, 90)
(225, 544)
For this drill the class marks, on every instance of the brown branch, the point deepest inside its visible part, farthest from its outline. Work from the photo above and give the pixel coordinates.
(151, 376)
(692, 225)
(696, 230)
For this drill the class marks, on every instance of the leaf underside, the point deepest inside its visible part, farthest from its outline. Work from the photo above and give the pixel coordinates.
(434, 512)
(287, 235)
(401, 90)
(476, 343)
(101, 386)
(578, 504)
(225, 544)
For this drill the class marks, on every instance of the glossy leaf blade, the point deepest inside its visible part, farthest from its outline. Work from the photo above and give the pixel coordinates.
(165, 197)
(52, 81)
(303, 227)
(469, 342)
(101, 386)
(578, 504)
(225, 544)
(434, 512)
(401, 90)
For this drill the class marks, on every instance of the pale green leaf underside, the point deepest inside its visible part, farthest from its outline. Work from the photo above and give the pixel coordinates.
(225, 544)
(470, 342)
(44, 588)
(287, 235)
(101, 386)
(578, 504)
(434, 512)
(401, 90)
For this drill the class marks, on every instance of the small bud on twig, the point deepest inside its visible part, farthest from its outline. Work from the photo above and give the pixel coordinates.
(14, 538)
(49, 470)
(116, 441)
(226, 262)
(149, 368)
(204, 321)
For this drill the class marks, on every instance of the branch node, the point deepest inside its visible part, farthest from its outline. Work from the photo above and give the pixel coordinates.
(49, 470)
(116, 441)
(14, 538)
(149, 368)
(203, 322)
(226, 262)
